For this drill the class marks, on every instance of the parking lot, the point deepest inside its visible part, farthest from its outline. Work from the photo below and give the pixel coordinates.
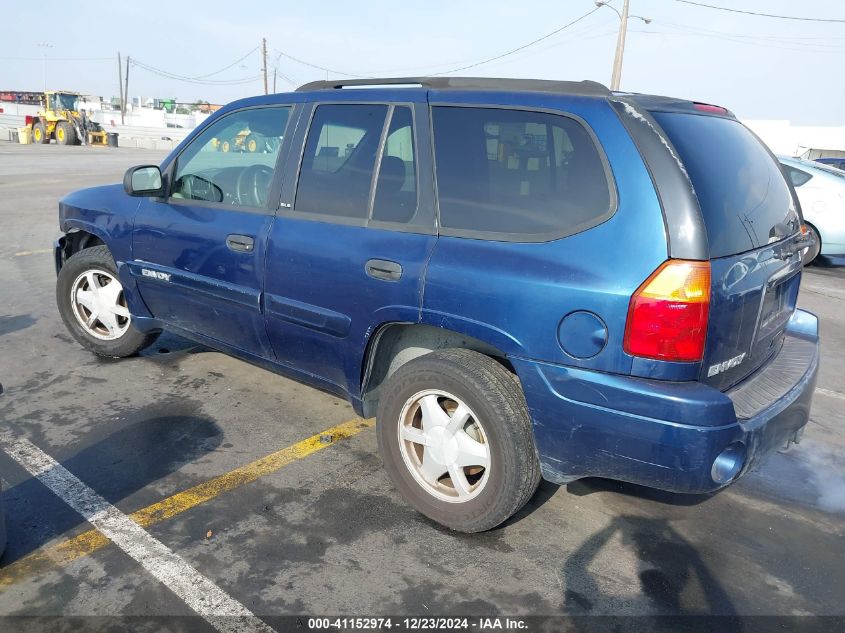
(275, 494)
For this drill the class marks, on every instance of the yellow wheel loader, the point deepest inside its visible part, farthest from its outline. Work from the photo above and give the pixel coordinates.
(59, 119)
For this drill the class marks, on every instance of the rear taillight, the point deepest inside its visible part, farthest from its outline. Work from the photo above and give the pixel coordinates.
(667, 316)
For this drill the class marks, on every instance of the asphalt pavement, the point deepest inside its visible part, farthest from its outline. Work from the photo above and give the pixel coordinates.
(316, 528)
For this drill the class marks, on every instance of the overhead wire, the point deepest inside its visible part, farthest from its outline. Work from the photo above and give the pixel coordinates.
(761, 14)
(762, 41)
(59, 59)
(225, 68)
(204, 82)
(519, 48)
(459, 68)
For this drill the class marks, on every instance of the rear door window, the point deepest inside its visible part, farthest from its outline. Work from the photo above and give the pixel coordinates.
(339, 159)
(396, 187)
(516, 174)
(744, 198)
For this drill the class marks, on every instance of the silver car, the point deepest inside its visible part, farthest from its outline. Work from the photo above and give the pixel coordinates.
(821, 191)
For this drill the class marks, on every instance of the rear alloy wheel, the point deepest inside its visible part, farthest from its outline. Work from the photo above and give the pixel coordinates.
(93, 306)
(456, 439)
(444, 446)
(811, 253)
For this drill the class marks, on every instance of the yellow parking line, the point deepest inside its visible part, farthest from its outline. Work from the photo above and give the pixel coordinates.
(66, 551)
(40, 251)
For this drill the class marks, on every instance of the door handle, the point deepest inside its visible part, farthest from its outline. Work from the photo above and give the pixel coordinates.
(383, 269)
(241, 243)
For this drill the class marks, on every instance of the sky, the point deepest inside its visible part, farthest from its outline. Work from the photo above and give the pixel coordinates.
(761, 68)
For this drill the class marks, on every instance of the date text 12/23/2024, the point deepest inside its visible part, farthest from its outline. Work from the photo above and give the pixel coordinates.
(418, 624)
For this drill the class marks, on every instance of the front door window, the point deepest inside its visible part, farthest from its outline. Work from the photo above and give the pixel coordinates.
(233, 160)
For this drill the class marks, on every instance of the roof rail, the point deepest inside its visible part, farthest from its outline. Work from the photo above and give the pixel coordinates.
(587, 88)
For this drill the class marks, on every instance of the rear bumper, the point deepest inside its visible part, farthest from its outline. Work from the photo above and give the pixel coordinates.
(682, 437)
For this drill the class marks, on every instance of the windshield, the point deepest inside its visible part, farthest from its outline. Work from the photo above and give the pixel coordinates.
(64, 102)
(744, 198)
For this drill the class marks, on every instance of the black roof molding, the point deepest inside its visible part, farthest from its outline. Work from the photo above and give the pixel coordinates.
(585, 88)
(658, 103)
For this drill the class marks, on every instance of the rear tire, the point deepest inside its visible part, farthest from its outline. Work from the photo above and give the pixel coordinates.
(811, 253)
(65, 134)
(456, 439)
(94, 309)
(39, 134)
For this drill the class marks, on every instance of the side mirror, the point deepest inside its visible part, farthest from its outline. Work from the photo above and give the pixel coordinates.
(144, 180)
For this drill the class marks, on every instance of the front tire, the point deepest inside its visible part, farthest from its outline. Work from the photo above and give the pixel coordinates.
(456, 439)
(254, 143)
(93, 306)
(65, 134)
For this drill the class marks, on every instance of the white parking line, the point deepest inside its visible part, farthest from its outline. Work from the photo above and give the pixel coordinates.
(831, 394)
(218, 608)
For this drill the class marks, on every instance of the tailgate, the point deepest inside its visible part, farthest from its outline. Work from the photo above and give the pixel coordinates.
(752, 231)
(752, 299)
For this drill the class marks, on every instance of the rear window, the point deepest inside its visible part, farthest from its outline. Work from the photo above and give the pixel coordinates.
(517, 175)
(743, 195)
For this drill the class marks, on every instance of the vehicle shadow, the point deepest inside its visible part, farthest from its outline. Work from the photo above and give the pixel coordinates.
(120, 464)
(592, 485)
(673, 578)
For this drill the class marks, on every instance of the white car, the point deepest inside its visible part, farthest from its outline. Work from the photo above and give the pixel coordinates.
(821, 192)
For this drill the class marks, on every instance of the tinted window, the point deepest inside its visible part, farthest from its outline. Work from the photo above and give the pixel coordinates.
(396, 188)
(517, 173)
(744, 198)
(233, 159)
(340, 154)
(797, 176)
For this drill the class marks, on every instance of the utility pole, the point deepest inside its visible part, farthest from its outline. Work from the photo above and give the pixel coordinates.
(620, 48)
(620, 40)
(44, 46)
(120, 85)
(275, 72)
(126, 89)
(264, 57)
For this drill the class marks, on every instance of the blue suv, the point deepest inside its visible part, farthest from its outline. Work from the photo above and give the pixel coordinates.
(520, 279)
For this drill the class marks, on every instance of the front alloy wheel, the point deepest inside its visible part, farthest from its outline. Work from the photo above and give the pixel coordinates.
(93, 305)
(99, 305)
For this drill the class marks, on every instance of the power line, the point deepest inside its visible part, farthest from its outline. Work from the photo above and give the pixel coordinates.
(237, 61)
(763, 15)
(519, 48)
(796, 47)
(786, 38)
(774, 41)
(452, 70)
(193, 80)
(318, 67)
(59, 59)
